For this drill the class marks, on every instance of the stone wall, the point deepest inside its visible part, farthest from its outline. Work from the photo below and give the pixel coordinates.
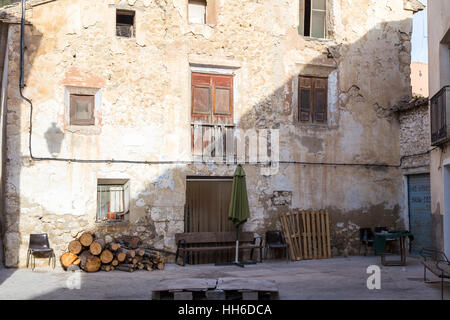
(144, 114)
(415, 135)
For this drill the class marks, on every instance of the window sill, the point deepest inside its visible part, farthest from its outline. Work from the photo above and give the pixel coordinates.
(309, 38)
(313, 125)
(87, 130)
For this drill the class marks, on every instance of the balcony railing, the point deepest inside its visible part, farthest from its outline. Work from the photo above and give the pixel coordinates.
(213, 142)
(440, 116)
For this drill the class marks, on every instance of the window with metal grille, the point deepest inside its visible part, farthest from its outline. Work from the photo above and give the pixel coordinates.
(312, 100)
(312, 18)
(82, 109)
(113, 199)
(125, 23)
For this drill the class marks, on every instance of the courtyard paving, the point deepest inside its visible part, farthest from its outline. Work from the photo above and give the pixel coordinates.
(337, 278)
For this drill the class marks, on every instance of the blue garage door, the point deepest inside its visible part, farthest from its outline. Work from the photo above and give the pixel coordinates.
(419, 210)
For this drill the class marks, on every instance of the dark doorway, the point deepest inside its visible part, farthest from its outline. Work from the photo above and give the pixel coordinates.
(206, 210)
(419, 210)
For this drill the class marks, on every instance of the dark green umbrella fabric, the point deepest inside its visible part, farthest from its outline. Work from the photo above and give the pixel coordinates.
(238, 212)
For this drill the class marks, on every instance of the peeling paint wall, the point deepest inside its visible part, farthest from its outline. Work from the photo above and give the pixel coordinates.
(144, 114)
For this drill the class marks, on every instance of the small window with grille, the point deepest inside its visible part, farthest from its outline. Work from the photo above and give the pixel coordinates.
(113, 200)
(125, 26)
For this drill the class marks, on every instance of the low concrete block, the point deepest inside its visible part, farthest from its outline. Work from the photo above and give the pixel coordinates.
(215, 295)
(182, 295)
(250, 295)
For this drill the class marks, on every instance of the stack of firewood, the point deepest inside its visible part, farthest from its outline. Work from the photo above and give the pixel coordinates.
(92, 254)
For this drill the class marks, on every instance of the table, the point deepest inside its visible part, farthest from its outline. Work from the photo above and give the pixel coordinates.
(380, 243)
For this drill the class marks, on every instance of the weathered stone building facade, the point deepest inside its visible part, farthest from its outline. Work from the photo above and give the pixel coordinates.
(141, 112)
(439, 82)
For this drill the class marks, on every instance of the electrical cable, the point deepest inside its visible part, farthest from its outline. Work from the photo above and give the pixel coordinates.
(161, 162)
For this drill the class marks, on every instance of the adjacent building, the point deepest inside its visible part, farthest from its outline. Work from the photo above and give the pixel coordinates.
(439, 85)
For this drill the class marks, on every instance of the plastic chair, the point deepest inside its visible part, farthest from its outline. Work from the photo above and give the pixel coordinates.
(366, 237)
(39, 244)
(275, 240)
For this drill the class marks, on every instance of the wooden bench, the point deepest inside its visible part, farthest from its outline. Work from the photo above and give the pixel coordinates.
(214, 241)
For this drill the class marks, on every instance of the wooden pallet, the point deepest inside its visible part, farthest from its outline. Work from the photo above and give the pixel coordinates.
(212, 289)
(307, 233)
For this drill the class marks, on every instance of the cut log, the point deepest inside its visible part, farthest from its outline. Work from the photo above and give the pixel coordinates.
(131, 241)
(149, 267)
(106, 268)
(140, 266)
(123, 268)
(97, 246)
(121, 256)
(114, 246)
(89, 263)
(76, 262)
(75, 247)
(129, 253)
(160, 266)
(152, 253)
(86, 239)
(115, 262)
(140, 252)
(106, 256)
(67, 259)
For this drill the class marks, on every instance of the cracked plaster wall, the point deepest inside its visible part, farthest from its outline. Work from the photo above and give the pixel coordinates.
(145, 114)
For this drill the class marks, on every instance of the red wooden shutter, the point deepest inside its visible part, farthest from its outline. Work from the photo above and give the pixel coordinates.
(305, 99)
(212, 98)
(320, 100)
(201, 97)
(223, 99)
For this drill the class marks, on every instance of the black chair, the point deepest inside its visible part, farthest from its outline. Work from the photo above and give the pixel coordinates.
(275, 240)
(366, 237)
(39, 244)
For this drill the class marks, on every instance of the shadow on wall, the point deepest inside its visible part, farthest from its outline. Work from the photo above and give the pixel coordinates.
(11, 146)
(376, 189)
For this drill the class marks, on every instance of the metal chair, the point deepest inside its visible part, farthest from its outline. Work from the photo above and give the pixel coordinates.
(437, 262)
(366, 237)
(39, 244)
(275, 240)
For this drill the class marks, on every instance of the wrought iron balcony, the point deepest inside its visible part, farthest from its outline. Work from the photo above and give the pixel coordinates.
(440, 116)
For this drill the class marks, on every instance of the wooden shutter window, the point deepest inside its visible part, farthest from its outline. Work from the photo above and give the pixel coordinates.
(320, 100)
(313, 102)
(82, 109)
(201, 100)
(212, 98)
(305, 90)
